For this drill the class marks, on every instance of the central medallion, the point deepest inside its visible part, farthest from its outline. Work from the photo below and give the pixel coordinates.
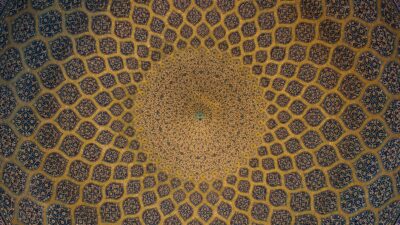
(200, 114)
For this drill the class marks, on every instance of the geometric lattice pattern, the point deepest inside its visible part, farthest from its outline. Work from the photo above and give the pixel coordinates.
(329, 72)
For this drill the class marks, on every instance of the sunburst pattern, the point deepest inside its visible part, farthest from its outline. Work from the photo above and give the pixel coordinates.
(308, 91)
